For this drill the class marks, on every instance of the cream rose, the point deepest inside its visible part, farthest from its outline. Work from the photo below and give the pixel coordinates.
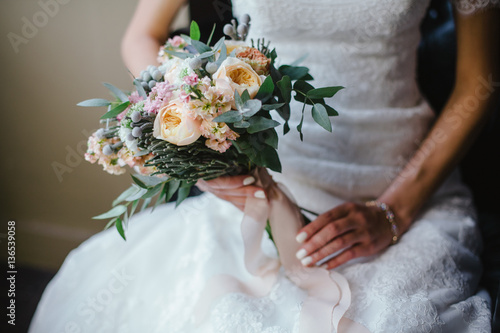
(174, 126)
(239, 75)
(232, 45)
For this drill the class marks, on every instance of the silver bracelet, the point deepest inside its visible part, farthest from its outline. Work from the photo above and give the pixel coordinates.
(389, 215)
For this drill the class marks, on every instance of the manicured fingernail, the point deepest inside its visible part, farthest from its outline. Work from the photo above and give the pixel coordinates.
(325, 266)
(248, 181)
(301, 237)
(260, 194)
(301, 253)
(306, 261)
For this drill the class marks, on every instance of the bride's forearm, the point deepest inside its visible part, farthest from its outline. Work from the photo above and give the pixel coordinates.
(441, 150)
(476, 90)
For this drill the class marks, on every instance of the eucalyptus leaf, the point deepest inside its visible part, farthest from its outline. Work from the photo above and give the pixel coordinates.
(258, 124)
(119, 227)
(139, 182)
(269, 107)
(323, 92)
(137, 195)
(200, 46)
(241, 124)
(116, 92)
(270, 159)
(182, 194)
(206, 54)
(95, 102)
(294, 72)
(271, 138)
(285, 87)
(223, 54)
(150, 181)
(140, 89)
(320, 116)
(229, 117)
(146, 203)
(237, 100)
(251, 107)
(211, 35)
(266, 89)
(152, 191)
(114, 212)
(331, 111)
(245, 96)
(125, 194)
(182, 55)
(173, 186)
(194, 31)
(116, 111)
(218, 45)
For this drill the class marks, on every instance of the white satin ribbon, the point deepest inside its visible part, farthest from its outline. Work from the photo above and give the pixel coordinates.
(329, 295)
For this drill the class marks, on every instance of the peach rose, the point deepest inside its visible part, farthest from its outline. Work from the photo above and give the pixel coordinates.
(175, 126)
(239, 75)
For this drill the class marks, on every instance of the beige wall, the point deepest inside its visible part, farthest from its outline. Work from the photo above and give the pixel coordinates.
(74, 50)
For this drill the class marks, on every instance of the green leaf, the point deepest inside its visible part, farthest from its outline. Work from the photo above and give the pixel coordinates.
(211, 35)
(285, 86)
(302, 88)
(114, 212)
(266, 89)
(258, 124)
(245, 96)
(300, 59)
(269, 107)
(200, 46)
(183, 193)
(116, 92)
(194, 31)
(152, 191)
(146, 203)
(320, 116)
(294, 72)
(229, 117)
(173, 186)
(270, 159)
(137, 195)
(331, 111)
(323, 92)
(271, 138)
(134, 207)
(241, 124)
(95, 102)
(125, 194)
(223, 54)
(251, 107)
(182, 55)
(140, 89)
(139, 182)
(150, 180)
(119, 227)
(116, 111)
(237, 100)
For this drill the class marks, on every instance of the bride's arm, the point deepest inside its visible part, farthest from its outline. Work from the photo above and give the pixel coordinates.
(147, 30)
(365, 230)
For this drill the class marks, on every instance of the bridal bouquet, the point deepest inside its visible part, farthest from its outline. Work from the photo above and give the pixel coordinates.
(204, 112)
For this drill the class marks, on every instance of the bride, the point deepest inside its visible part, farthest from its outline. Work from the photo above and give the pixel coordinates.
(416, 272)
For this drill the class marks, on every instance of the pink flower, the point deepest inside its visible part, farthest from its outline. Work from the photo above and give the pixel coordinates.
(135, 98)
(159, 96)
(176, 41)
(184, 97)
(220, 146)
(191, 79)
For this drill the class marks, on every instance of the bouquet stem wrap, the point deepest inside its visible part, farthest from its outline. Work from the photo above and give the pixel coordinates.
(329, 295)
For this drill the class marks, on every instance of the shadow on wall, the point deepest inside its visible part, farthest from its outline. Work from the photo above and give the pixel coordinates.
(54, 55)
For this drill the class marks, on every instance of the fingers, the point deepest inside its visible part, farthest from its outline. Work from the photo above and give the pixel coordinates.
(349, 254)
(333, 237)
(229, 182)
(312, 228)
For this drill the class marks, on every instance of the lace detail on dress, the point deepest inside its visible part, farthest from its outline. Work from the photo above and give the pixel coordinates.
(472, 6)
(475, 314)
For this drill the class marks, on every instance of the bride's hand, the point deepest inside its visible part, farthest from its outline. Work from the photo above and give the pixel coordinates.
(355, 228)
(234, 189)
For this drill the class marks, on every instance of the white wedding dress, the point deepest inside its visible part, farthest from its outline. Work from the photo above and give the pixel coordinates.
(428, 282)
